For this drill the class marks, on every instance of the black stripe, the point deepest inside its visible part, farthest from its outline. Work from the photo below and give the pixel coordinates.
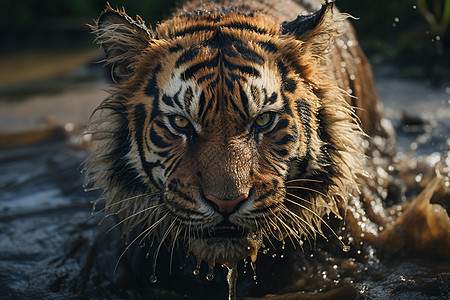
(187, 55)
(167, 100)
(282, 124)
(122, 171)
(243, 69)
(247, 54)
(192, 70)
(163, 153)
(285, 140)
(280, 153)
(288, 84)
(245, 26)
(207, 109)
(175, 48)
(201, 102)
(174, 166)
(268, 46)
(304, 112)
(193, 29)
(205, 77)
(286, 104)
(176, 98)
(272, 99)
(236, 108)
(152, 87)
(140, 119)
(152, 90)
(157, 140)
(244, 100)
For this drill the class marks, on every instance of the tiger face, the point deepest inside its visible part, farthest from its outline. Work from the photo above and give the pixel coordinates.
(223, 129)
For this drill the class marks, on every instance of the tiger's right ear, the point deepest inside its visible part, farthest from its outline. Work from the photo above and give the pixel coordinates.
(123, 40)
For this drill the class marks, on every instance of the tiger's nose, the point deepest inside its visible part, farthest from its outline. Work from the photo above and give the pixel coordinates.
(227, 206)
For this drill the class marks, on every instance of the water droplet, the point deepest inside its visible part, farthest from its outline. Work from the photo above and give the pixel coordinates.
(210, 275)
(274, 255)
(196, 272)
(153, 278)
(396, 19)
(414, 7)
(345, 248)
(253, 265)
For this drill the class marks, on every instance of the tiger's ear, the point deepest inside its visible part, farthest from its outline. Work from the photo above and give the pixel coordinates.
(316, 28)
(123, 40)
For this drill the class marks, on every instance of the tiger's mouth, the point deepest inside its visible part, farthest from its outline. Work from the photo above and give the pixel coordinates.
(225, 229)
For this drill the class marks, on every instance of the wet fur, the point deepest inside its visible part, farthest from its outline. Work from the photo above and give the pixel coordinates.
(313, 174)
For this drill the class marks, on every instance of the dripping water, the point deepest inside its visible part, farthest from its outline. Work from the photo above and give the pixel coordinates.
(231, 279)
(153, 278)
(253, 265)
(210, 275)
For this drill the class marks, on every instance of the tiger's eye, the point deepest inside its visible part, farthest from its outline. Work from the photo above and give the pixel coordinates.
(180, 121)
(264, 119)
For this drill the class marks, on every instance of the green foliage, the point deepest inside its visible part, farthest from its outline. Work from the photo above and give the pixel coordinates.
(438, 17)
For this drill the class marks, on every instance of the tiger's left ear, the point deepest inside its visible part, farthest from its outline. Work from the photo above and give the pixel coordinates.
(123, 40)
(315, 28)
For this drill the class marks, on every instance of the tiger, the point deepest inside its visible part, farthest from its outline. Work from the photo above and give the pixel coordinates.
(230, 124)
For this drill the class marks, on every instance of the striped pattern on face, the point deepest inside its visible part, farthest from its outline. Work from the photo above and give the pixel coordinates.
(220, 72)
(212, 116)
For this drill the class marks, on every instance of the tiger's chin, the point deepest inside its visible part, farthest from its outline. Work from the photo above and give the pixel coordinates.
(226, 250)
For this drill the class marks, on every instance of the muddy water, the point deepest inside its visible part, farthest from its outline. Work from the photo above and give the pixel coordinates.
(51, 247)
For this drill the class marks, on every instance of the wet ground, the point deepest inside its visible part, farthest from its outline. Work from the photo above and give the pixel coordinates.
(52, 248)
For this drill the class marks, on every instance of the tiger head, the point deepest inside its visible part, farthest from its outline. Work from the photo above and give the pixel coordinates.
(222, 129)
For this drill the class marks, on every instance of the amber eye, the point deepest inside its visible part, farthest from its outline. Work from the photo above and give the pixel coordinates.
(179, 122)
(265, 119)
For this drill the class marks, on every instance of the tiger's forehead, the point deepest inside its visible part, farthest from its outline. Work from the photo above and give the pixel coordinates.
(219, 65)
(203, 21)
(218, 94)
